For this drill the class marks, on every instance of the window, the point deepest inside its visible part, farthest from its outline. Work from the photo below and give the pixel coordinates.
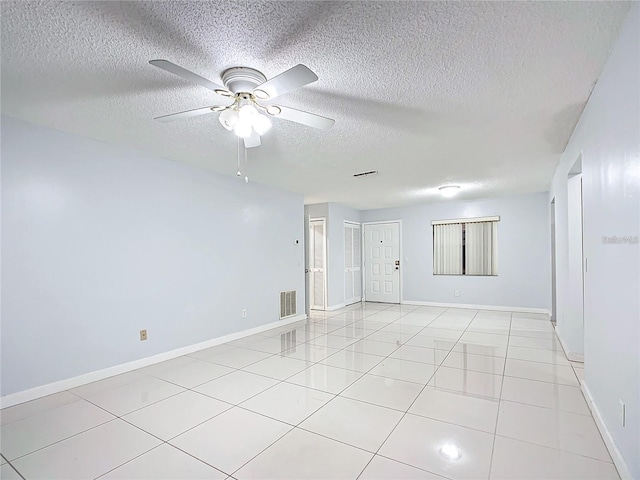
(467, 246)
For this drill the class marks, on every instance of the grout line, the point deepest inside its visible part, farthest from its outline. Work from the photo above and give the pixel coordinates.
(495, 430)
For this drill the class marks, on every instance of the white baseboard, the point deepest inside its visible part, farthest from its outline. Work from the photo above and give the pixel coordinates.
(618, 459)
(573, 356)
(335, 307)
(478, 307)
(68, 383)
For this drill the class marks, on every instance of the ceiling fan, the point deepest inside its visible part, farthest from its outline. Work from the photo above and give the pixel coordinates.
(246, 87)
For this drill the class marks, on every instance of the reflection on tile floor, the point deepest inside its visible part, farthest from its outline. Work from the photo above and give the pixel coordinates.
(371, 391)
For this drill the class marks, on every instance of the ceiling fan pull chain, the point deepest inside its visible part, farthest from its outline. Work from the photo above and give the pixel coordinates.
(238, 173)
(246, 164)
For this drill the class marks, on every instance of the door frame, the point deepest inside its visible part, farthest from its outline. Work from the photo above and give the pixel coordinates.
(364, 270)
(359, 224)
(324, 270)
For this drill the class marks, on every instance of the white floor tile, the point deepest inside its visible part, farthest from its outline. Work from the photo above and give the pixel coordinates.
(404, 370)
(167, 463)
(390, 337)
(176, 414)
(357, 423)
(191, 374)
(381, 468)
(108, 383)
(544, 394)
(417, 441)
(565, 431)
(301, 455)
(478, 349)
(416, 320)
(544, 372)
(515, 460)
(401, 328)
(309, 352)
(352, 331)
(420, 354)
(386, 392)
(333, 341)
(88, 454)
(133, 396)
(373, 348)
(24, 410)
(277, 367)
(287, 402)
(368, 324)
(236, 387)
(537, 355)
(352, 360)
(239, 358)
(231, 439)
(475, 363)
(484, 338)
(470, 411)
(325, 378)
(8, 473)
(426, 341)
(386, 316)
(526, 332)
(49, 426)
(533, 342)
(442, 333)
(474, 383)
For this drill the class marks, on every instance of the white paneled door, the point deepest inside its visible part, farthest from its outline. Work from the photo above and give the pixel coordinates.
(317, 263)
(352, 263)
(382, 262)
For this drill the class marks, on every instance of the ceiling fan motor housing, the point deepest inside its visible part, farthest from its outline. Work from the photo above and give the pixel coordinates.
(242, 79)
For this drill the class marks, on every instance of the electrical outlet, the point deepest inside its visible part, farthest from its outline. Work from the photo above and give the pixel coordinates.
(623, 413)
(244, 313)
(456, 293)
(143, 335)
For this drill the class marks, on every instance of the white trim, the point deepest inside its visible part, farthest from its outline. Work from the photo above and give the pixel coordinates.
(68, 383)
(364, 290)
(337, 307)
(616, 456)
(478, 307)
(574, 357)
(466, 220)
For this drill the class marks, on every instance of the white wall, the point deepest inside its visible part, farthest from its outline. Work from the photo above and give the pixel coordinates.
(336, 214)
(99, 242)
(608, 137)
(523, 252)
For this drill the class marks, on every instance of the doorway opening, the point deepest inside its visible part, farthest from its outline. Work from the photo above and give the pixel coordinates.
(317, 263)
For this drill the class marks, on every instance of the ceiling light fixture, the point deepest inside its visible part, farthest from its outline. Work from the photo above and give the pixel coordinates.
(245, 120)
(449, 191)
(450, 451)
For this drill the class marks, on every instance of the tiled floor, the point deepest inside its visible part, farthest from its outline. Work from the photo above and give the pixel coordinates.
(372, 391)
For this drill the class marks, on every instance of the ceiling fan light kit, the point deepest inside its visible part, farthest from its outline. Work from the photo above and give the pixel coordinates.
(246, 86)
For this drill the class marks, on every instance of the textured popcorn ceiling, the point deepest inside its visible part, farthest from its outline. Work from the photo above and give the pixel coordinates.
(480, 94)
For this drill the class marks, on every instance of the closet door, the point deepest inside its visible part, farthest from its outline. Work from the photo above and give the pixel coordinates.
(352, 263)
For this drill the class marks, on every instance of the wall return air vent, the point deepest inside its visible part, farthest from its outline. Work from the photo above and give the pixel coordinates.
(287, 304)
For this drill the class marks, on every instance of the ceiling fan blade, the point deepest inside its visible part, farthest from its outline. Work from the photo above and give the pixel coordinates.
(187, 75)
(186, 114)
(252, 141)
(305, 118)
(287, 81)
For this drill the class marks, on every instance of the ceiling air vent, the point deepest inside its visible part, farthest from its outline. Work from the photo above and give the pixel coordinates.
(366, 174)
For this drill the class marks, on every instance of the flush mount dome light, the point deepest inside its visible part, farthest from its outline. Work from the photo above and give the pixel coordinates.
(449, 191)
(450, 451)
